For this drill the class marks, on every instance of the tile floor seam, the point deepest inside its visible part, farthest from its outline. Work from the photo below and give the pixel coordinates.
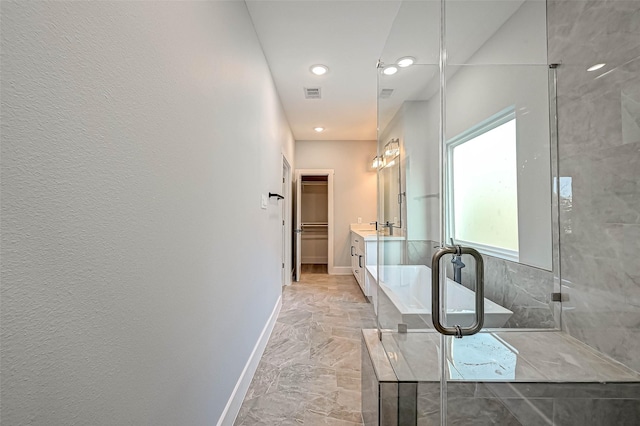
(310, 371)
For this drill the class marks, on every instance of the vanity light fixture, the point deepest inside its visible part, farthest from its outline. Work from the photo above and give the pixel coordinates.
(595, 67)
(376, 163)
(391, 149)
(406, 61)
(319, 69)
(319, 129)
(391, 152)
(390, 70)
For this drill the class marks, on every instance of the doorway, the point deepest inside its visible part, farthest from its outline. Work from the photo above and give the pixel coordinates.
(314, 215)
(314, 222)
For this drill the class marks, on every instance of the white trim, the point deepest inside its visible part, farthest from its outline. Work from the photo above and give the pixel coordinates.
(298, 228)
(341, 270)
(232, 408)
(496, 120)
(503, 253)
(288, 223)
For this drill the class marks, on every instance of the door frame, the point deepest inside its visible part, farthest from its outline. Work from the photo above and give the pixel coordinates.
(314, 172)
(287, 226)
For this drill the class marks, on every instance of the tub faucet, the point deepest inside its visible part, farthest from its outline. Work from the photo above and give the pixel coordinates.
(457, 265)
(389, 225)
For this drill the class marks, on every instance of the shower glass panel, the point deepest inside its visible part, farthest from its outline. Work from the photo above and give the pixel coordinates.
(408, 187)
(475, 118)
(408, 193)
(497, 198)
(409, 112)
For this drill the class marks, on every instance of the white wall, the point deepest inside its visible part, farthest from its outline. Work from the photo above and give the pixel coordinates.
(354, 186)
(521, 80)
(137, 138)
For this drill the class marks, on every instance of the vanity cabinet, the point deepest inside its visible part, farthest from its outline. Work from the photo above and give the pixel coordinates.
(358, 259)
(364, 253)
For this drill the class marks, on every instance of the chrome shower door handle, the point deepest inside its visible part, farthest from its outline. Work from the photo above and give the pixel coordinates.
(457, 330)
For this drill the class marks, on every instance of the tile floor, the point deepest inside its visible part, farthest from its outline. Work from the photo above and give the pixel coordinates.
(310, 371)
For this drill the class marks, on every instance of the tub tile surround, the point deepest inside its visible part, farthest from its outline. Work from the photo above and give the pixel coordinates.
(523, 289)
(310, 370)
(547, 389)
(599, 160)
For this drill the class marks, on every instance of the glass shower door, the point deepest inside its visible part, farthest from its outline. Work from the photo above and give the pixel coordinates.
(496, 186)
(409, 117)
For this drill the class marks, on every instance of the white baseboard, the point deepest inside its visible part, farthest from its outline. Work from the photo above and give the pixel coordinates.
(242, 386)
(341, 270)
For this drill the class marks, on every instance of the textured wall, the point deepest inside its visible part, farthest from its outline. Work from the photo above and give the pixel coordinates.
(599, 149)
(137, 138)
(354, 185)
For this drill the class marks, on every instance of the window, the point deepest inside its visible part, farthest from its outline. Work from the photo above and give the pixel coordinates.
(482, 186)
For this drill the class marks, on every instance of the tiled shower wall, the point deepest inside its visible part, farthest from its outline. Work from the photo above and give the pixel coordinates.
(599, 165)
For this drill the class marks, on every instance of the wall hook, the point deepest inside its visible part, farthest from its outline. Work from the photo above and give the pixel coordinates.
(278, 196)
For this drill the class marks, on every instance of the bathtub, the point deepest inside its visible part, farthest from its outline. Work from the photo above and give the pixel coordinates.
(408, 287)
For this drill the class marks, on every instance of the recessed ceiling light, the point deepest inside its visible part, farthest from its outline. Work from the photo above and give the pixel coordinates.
(596, 67)
(390, 70)
(319, 129)
(319, 69)
(406, 61)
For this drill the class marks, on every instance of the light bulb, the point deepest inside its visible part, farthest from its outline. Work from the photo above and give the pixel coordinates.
(406, 61)
(319, 69)
(595, 67)
(390, 70)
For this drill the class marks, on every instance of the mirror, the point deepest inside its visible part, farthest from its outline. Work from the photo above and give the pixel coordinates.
(391, 185)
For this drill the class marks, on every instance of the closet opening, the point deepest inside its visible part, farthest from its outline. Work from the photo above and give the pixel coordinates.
(314, 202)
(314, 216)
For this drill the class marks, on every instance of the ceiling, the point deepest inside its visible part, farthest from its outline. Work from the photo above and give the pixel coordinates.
(346, 36)
(350, 36)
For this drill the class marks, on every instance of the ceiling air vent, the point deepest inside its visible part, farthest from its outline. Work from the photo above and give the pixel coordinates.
(386, 93)
(312, 93)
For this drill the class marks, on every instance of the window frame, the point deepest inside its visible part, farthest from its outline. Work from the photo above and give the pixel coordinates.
(496, 120)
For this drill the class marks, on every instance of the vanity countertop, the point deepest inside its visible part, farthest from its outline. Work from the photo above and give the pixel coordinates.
(363, 230)
(368, 233)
